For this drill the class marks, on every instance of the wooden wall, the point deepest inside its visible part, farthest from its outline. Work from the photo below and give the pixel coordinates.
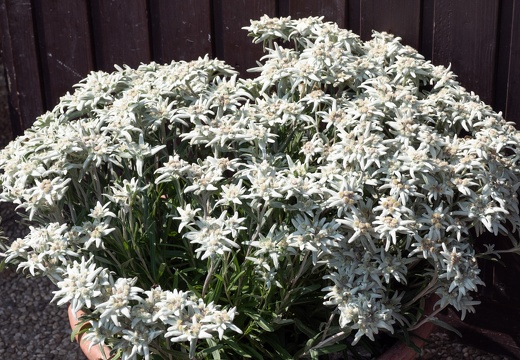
(48, 45)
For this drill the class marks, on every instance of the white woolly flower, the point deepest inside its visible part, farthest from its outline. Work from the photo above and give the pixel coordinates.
(118, 304)
(212, 237)
(83, 285)
(187, 216)
(355, 167)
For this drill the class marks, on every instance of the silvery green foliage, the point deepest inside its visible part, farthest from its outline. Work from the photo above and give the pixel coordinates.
(357, 164)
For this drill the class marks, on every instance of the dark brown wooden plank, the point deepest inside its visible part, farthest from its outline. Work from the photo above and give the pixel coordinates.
(507, 98)
(64, 44)
(354, 16)
(427, 15)
(465, 34)
(398, 17)
(232, 43)
(504, 44)
(121, 33)
(181, 30)
(21, 63)
(333, 10)
(512, 112)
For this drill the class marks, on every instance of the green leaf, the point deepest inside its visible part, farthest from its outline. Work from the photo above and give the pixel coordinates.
(236, 348)
(331, 349)
(446, 326)
(116, 356)
(235, 278)
(79, 329)
(310, 333)
(264, 324)
(161, 269)
(213, 350)
(310, 289)
(216, 290)
(283, 322)
(274, 342)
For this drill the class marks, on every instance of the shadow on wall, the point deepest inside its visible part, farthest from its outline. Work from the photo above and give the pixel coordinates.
(6, 133)
(8, 218)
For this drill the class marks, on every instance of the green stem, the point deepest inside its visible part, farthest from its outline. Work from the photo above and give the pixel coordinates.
(424, 291)
(428, 318)
(261, 222)
(208, 277)
(282, 304)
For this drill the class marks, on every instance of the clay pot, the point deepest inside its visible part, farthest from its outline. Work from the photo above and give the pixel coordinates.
(95, 352)
(401, 351)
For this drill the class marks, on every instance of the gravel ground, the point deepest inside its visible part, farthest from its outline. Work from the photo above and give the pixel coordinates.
(445, 346)
(31, 327)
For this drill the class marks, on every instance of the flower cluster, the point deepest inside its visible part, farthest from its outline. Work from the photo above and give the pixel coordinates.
(347, 181)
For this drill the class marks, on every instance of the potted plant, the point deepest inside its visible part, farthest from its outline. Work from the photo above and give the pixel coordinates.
(189, 213)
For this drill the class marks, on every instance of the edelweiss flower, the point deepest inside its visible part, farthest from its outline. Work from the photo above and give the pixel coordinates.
(82, 285)
(118, 303)
(355, 167)
(212, 236)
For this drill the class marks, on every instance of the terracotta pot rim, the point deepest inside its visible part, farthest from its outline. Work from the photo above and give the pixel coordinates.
(94, 353)
(398, 351)
(401, 351)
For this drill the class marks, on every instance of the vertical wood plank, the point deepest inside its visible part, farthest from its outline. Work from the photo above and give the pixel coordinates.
(65, 45)
(354, 16)
(21, 63)
(232, 43)
(465, 34)
(504, 47)
(334, 10)
(513, 88)
(181, 30)
(121, 33)
(508, 100)
(427, 13)
(399, 17)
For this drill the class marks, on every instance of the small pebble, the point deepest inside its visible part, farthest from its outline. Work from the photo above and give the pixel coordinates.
(441, 347)
(31, 327)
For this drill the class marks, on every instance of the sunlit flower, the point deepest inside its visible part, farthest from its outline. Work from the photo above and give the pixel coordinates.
(190, 211)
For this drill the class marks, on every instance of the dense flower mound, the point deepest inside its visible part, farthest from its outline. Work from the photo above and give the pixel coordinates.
(195, 213)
